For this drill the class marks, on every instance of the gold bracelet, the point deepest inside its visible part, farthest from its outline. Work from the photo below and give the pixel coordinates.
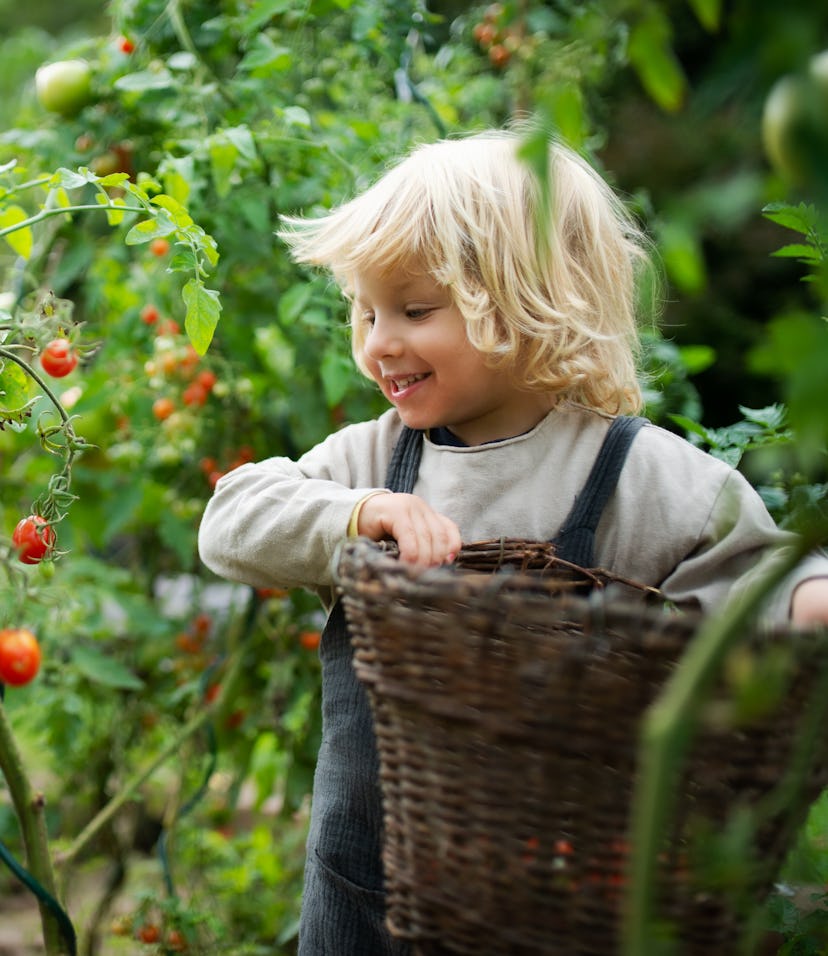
(353, 521)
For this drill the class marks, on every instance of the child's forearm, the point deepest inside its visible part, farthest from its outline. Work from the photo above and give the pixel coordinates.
(270, 525)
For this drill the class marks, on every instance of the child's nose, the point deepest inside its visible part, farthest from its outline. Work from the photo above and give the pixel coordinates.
(383, 340)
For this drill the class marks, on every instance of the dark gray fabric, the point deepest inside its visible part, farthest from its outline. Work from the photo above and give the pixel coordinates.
(343, 903)
(575, 541)
(343, 911)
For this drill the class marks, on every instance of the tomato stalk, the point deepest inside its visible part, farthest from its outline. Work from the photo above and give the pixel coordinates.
(30, 809)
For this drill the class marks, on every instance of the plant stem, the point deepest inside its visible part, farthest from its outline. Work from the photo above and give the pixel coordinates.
(64, 210)
(29, 808)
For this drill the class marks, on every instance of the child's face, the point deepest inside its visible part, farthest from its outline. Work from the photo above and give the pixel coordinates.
(417, 351)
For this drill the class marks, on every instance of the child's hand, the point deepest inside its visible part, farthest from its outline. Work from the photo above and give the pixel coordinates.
(423, 536)
(809, 606)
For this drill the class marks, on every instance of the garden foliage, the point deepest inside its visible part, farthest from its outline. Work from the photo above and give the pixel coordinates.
(173, 725)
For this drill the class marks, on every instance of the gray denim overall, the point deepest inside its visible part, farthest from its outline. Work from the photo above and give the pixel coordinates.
(343, 904)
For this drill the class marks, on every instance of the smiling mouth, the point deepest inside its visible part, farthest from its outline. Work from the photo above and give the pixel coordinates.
(401, 384)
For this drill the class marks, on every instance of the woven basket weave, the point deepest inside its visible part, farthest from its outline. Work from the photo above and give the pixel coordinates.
(507, 694)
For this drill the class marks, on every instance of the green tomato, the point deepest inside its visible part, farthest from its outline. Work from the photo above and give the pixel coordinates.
(795, 125)
(64, 87)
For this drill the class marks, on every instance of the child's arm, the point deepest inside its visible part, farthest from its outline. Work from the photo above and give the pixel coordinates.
(809, 605)
(423, 536)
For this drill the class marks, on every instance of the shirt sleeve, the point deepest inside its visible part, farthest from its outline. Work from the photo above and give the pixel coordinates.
(277, 523)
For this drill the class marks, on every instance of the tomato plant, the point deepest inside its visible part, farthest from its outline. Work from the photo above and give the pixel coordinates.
(58, 358)
(19, 656)
(33, 538)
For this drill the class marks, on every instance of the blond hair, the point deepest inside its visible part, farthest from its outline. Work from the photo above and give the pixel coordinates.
(545, 280)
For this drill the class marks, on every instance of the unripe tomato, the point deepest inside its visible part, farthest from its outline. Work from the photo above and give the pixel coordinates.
(795, 124)
(33, 538)
(64, 87)
(19, 656)
(58, 358)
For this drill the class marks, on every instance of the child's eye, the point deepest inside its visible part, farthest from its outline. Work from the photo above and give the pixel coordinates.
(368, 318)
(416, 313)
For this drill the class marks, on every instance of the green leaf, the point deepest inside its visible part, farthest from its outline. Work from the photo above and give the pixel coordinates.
(697, 358)
(708, 12)
(798, 250)
(20, 239)
(203, 310)
(145, 80)
(177, 213)
(70, 179)
(799, 218)
(14, 389)
(264, 56)
(653, 59)
(682, 254)
(242, 139)
(101, 669)
(223, 156)
(264, 10)
(337, 375)
(293, 302)
(147, 229)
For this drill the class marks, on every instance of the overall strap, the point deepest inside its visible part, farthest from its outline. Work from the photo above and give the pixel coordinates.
(576, 539)
(405, 462)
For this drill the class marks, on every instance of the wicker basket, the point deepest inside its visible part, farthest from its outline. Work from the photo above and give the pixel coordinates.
(507, 694)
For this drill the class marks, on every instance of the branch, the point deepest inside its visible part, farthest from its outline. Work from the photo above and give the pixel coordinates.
(65, 210)
(29, 808)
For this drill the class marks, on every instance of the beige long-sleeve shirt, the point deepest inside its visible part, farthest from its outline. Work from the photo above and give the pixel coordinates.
(680, 519)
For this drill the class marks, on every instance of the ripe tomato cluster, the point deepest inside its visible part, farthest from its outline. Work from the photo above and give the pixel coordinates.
(19, 656)
(58, 358)
(175, 360)
(498, 41)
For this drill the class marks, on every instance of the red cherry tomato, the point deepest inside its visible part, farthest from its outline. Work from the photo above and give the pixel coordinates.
(125, 45)
(19, 656)
(149, 933)
(162, 408)
(194, 394)
(58, 358)
(33, 538)
(159, 247)
(150, 314)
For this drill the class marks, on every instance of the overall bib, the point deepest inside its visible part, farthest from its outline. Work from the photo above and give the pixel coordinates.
(343, 912)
